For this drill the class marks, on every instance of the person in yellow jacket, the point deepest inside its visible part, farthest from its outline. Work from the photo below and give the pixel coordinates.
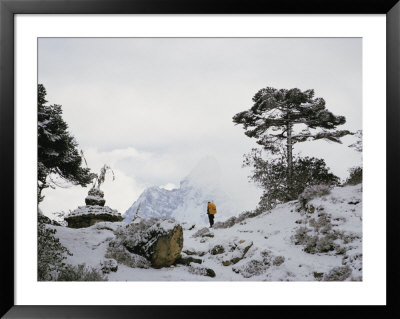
(211, 211)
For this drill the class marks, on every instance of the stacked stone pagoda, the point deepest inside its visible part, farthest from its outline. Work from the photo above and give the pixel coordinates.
(94, 211)
(95, 197)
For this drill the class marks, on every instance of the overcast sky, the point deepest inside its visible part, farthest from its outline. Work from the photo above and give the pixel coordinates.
(151, 108)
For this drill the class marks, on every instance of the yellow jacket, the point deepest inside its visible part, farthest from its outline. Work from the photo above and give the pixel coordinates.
(211, 208)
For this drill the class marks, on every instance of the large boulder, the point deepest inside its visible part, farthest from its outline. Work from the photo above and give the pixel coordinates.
(158, 240)
(86, 216)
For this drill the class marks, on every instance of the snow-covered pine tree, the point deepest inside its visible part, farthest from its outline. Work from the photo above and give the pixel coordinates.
(290, 116)
(57, 148)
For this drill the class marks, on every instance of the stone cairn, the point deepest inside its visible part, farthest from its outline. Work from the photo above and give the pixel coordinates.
(95, 197)
(94, 211)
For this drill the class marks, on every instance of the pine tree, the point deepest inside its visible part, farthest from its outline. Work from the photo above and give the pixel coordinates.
(57, 148)
(291, 116)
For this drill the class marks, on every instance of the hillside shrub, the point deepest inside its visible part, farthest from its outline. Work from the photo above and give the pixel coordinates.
(252, 268)
(355, 177)
(236, 220)
(80, 273)
(323, 223)
(325, 244)
(51, 253)
(257, 266)
(226, 224)
(338, 274)
(279, 260)
(313, 243)
(248, 214)
(312, 192)
(301, 236)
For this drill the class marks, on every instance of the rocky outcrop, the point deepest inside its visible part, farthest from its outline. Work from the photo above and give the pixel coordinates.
(190, 252)
(256, 266)
(236, 252)
(158, 240)
(187, 260)
(218, 249)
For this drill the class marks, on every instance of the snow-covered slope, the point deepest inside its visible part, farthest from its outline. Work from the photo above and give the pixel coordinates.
(284, 244)
(188, 203)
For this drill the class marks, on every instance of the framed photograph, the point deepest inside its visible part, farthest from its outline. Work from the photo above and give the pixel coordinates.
(198, 155)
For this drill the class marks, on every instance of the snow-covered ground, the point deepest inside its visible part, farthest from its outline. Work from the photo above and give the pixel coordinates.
(262, 248)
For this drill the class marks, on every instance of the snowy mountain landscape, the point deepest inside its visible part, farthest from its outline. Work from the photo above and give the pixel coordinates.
(312, 240)
(188, 202)
(261, 131)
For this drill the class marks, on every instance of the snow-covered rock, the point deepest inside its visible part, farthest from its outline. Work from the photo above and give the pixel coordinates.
(108, 265)
(196, 269)
(237, 252)
(188, 203)
(204, 232)
(158, 240)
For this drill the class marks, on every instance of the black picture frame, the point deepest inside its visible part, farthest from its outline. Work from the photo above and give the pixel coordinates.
(9, 8)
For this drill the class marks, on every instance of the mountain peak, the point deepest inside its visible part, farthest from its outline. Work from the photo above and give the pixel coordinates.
(189, 202)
